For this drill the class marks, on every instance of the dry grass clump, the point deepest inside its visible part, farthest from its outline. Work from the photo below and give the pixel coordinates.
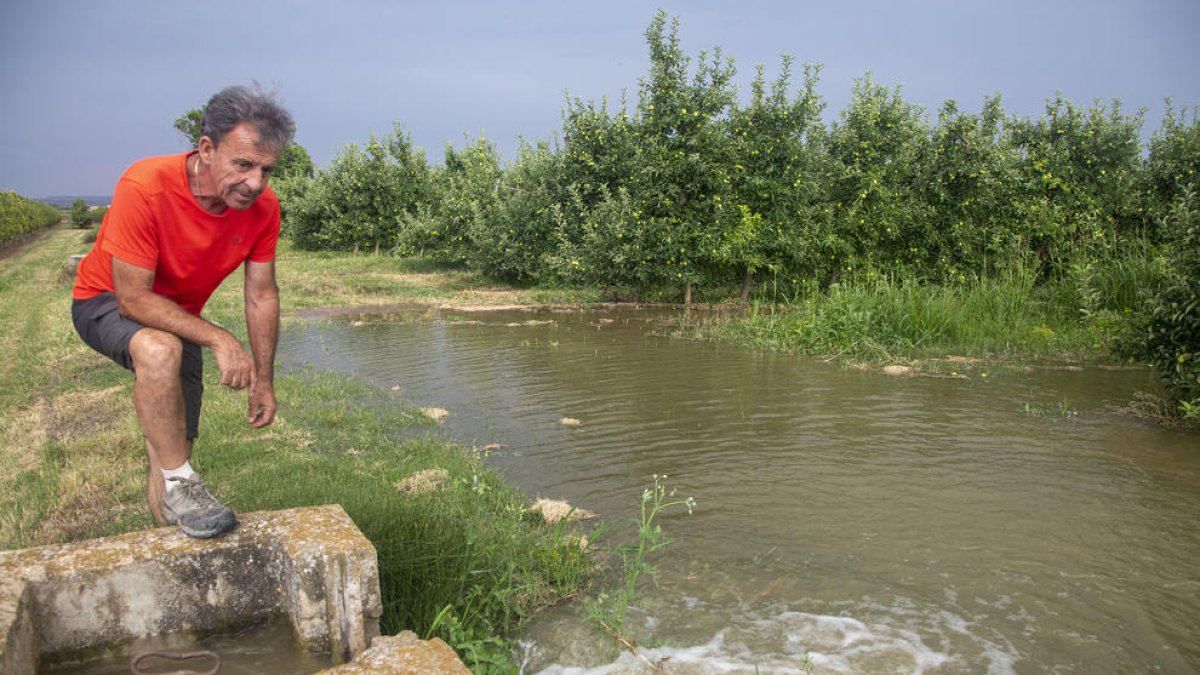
(25, 433)
(283, 432)
(436, 414)
(553, 511)
(77, 414)
(85, 508)
(424, 482)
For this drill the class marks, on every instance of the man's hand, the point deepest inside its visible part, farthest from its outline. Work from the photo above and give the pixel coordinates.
(237, 368)
(262, 404)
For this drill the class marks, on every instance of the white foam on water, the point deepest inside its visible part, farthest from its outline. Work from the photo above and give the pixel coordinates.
(713, 657)
(896, 639)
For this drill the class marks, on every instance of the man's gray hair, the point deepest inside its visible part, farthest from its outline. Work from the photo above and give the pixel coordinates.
(233, 105)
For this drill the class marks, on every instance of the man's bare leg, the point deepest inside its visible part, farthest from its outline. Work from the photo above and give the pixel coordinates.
(155, 485)
(158, 399)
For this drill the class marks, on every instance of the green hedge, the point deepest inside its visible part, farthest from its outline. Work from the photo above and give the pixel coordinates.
(1170, 340)
(19, 216)
(688, 185)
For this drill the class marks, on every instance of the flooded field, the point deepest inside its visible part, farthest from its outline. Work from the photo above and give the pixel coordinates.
(847, 521)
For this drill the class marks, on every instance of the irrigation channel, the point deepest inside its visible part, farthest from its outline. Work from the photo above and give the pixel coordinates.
(847, 521)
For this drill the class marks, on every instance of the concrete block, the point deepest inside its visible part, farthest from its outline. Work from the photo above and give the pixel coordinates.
(310, 564)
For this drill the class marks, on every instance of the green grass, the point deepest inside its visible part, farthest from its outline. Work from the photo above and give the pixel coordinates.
(469, 544)
(317, 280)
(68, 454)
(880, 319)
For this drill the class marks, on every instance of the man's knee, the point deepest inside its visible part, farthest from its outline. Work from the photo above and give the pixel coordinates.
(154, 350)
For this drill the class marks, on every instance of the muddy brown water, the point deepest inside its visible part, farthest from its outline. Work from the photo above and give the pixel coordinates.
(267, 647)
(847, 521)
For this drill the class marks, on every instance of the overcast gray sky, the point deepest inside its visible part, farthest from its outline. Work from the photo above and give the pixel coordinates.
(89, 86)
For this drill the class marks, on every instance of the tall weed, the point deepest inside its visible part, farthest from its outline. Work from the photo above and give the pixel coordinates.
(879, 317)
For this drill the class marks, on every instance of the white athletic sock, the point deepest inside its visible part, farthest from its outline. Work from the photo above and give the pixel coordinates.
(184, 471)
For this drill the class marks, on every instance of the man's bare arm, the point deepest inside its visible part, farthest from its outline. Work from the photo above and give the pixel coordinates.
(262, 325)
(136, 299)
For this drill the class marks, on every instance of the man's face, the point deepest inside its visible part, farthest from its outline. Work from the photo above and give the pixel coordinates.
(239, 167)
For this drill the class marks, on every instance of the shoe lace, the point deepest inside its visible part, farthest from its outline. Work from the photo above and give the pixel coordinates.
(193, 491)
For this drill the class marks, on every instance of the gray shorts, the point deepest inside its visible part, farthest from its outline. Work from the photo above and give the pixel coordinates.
(104, 329)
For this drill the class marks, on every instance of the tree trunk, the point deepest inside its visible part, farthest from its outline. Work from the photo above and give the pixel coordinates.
(746, 283)
(687, 295)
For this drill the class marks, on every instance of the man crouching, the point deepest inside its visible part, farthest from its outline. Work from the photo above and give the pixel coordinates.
(179, 225)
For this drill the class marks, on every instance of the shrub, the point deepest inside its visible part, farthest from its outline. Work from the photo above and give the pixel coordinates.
(361, 199)
(642, 202)
(81, 218)
(290, 190)
(1079, 179)
(778, 155)
(969, 178)
(597, 163)
(682, 183)
(466, 185)
(19, 216)
(518, 237)
(294, 162)
(610, 244)
(874, 149)
(1172, 335)
(1173, 164)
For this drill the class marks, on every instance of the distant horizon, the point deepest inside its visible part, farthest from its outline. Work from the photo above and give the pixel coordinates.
(65, 201)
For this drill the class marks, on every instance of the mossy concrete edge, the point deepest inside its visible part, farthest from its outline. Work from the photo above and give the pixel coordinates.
(311, 564)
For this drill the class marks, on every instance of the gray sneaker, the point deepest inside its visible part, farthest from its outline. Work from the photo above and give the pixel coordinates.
(195, 510)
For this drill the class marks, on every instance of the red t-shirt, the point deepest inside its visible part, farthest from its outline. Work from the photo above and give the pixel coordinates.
(156, 223)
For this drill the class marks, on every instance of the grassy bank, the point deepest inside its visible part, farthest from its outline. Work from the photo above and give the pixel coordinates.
(990, 323)
(458, 554)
